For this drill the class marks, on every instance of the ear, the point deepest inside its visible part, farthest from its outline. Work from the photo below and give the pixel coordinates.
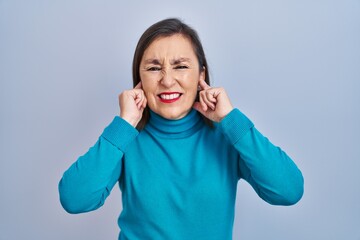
(202, 74)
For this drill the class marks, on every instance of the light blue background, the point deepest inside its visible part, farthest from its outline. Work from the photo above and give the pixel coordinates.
(292, 66)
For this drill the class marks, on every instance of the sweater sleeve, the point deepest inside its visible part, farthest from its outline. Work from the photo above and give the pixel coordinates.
(269, 170)
(87, 183)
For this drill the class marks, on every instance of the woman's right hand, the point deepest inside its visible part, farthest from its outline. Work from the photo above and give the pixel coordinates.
(132, 104)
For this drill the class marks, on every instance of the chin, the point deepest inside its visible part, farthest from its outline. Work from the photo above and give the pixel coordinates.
(173, 114)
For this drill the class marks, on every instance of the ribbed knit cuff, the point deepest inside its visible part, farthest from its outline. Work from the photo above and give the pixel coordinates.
(235, 125)
(120, 133)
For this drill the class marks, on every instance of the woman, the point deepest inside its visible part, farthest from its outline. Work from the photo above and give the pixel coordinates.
(177, 159)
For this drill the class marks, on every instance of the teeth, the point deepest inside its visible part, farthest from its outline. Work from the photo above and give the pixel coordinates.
(170, 96)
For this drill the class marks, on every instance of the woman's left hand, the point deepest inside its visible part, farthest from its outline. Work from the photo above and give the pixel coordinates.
(214, 102)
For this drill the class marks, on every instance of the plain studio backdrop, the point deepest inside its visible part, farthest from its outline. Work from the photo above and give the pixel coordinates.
(293, 67)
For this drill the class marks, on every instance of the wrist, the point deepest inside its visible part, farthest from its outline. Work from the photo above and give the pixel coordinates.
(226, 112)
(131, 121)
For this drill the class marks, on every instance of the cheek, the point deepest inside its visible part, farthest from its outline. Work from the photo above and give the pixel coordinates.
(191, 90)
(193, 93)
(150, 76)
(149, 91)
(149, 85)
(192, 82)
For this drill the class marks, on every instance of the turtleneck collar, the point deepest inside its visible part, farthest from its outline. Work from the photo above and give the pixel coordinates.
(180, 128)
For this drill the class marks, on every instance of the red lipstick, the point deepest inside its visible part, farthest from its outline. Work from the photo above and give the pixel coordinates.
(169, 97)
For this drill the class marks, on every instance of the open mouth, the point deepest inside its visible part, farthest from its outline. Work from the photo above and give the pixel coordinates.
(169, 97)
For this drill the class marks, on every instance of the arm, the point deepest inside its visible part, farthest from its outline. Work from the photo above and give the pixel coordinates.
(269, 170)
(87, 183)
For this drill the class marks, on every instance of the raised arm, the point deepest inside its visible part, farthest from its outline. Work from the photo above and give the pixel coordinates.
(87, 183)
(268, 169)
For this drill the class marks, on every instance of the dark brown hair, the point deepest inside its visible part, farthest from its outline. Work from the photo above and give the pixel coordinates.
(166, 28)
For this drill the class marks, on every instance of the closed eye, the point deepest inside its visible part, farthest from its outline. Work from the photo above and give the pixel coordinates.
(181, 67)
(153, 69)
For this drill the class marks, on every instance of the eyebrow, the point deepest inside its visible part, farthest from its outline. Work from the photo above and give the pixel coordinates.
(152, 61)
(172, 62)
(179, 60)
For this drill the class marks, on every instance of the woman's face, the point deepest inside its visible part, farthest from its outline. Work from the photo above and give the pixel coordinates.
(169, 72)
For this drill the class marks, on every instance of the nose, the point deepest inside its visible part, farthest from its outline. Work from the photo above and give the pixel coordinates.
(167, 79)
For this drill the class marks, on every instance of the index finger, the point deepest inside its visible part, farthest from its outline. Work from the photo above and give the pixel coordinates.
(203, 85)
(138, 86)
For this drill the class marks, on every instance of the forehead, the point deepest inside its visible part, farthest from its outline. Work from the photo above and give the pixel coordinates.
(174, 46)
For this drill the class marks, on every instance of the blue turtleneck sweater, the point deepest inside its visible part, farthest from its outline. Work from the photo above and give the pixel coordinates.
(178, 178)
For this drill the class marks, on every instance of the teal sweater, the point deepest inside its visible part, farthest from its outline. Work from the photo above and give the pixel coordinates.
(178, 178)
